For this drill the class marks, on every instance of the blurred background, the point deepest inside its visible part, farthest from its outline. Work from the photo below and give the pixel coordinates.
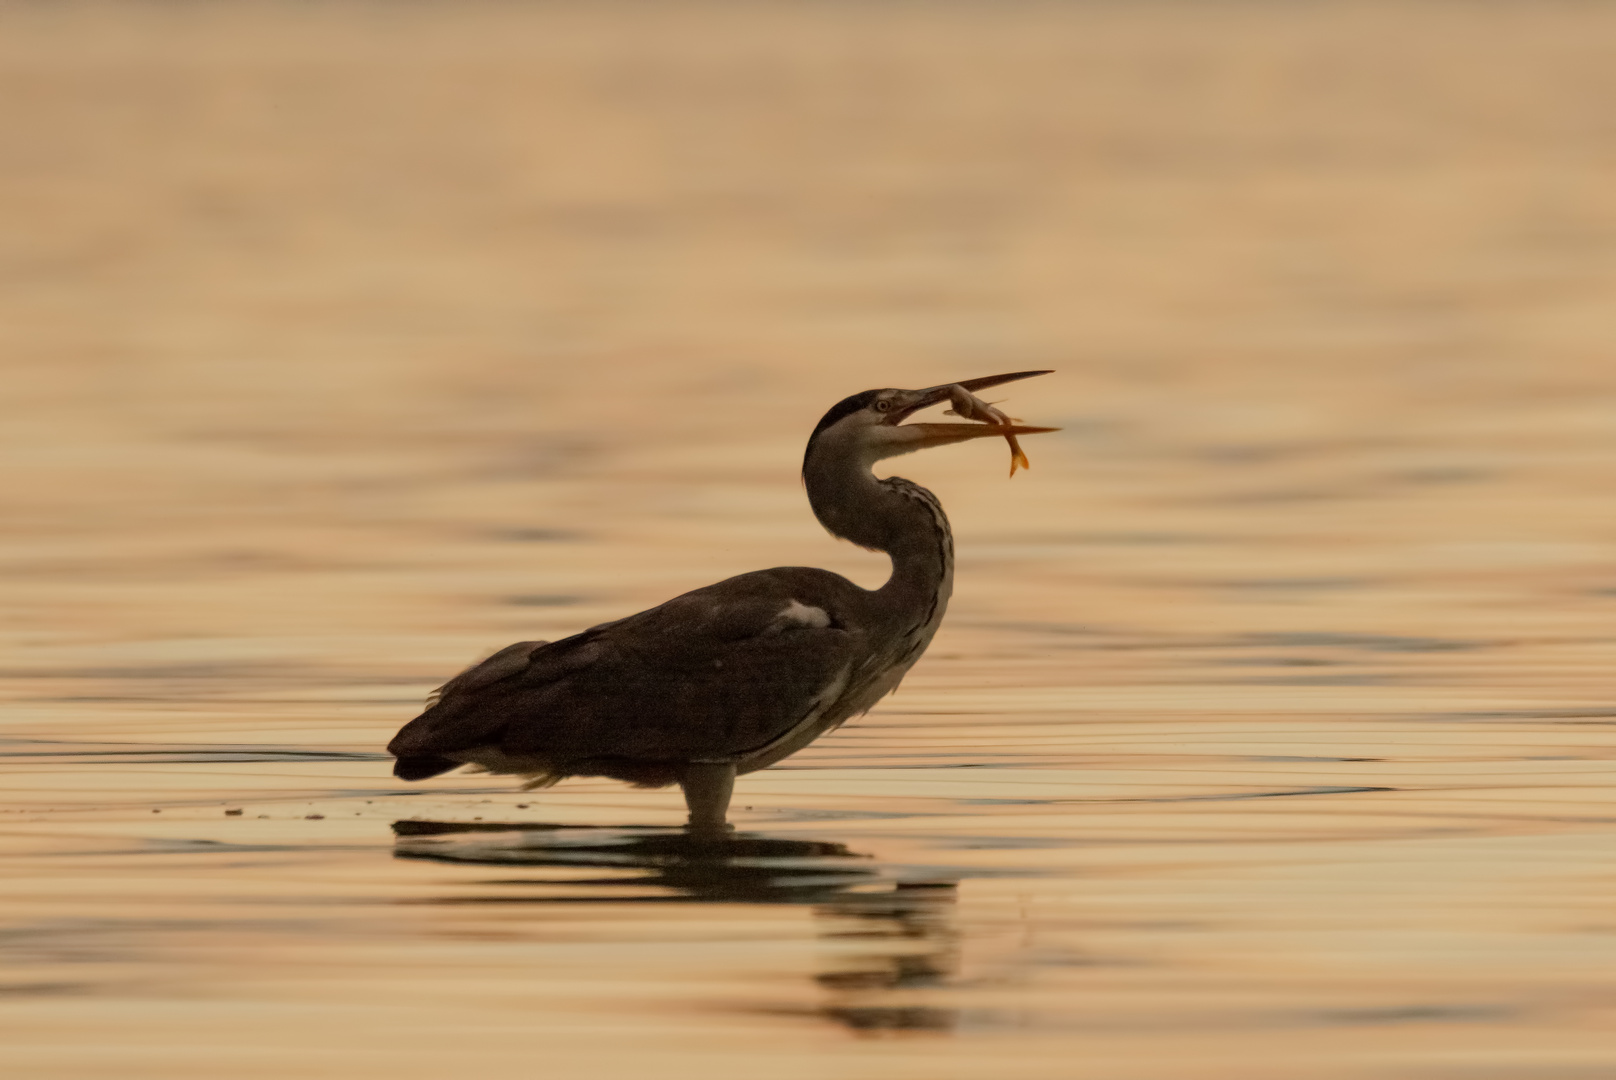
(343, 343)
(291, 283)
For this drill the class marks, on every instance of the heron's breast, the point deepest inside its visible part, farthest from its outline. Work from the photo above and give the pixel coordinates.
(823, 711)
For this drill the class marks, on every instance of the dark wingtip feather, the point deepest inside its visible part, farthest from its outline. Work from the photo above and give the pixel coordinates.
(423, 766)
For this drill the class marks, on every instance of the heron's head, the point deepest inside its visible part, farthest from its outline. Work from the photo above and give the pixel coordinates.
(868, 427)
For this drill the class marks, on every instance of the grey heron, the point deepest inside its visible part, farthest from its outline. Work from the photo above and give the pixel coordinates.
(733, 677)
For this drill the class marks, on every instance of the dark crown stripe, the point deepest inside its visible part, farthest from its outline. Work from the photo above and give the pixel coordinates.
(845, 407)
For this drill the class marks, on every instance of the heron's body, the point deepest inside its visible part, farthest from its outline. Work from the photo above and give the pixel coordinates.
(729, 678)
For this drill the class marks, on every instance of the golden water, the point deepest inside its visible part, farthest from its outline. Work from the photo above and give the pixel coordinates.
(1269, 735)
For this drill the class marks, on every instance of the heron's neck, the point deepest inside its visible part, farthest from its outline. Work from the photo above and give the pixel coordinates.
(896, 516)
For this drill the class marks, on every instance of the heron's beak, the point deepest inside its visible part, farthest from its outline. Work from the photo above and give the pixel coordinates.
(920, 436)
(936, 395)
(925, 436)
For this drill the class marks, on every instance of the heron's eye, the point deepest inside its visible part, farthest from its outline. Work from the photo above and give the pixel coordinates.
(883, 406)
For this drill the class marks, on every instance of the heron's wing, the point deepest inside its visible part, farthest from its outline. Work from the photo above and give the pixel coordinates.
(713, 673)
(455, 716)
(511, 660)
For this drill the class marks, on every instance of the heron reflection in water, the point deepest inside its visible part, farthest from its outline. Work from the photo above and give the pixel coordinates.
(896, 936)
(733, 677)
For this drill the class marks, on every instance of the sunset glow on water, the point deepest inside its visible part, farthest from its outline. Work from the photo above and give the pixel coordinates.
(1269, 734)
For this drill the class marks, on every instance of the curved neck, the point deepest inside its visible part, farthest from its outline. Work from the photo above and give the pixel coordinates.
(895, 516)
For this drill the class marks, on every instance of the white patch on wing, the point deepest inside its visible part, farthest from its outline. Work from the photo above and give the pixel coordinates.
(804, 615)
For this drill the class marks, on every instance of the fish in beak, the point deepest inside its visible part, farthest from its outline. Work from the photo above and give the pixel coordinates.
(968, 406)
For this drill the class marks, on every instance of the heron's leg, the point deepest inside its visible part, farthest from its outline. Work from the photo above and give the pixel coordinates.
(707, 789)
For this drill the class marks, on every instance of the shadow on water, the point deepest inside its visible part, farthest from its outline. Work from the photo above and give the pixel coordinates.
(893, 932)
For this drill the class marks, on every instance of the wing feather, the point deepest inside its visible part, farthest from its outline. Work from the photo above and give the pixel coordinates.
(709, 674)
(509, 661)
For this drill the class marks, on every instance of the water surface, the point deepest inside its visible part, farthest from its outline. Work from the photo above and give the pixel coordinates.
(1270, 734)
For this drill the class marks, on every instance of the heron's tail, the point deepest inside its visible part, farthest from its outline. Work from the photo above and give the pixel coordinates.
(421, 766)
